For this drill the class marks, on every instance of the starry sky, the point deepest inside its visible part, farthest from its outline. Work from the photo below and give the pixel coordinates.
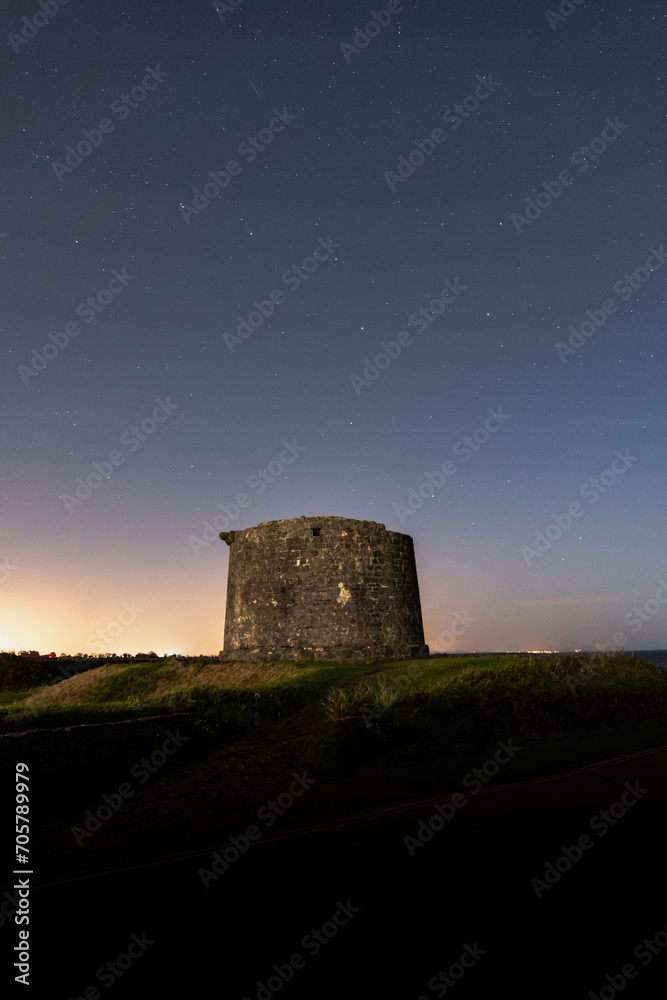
(217, 218)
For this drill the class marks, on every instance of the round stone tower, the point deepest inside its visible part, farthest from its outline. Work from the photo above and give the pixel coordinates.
(322, 588)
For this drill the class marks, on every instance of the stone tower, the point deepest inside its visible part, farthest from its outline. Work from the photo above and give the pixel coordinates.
(322, 588)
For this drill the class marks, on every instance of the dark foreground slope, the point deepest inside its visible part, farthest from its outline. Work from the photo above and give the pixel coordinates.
(356, 833)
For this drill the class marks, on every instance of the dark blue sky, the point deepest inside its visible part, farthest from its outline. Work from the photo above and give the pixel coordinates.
(407, 166)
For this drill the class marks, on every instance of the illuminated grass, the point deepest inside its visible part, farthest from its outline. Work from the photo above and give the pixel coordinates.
(478, 697)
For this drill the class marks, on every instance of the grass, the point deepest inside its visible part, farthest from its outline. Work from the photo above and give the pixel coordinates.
(242, 694)
(458, 694)
(402, 713)
(9, 697)
(383, 744)
(373, 734)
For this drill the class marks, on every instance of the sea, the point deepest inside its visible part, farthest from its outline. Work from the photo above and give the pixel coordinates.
(657, 656)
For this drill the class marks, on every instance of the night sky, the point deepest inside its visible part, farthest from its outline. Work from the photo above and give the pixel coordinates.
(471, 195)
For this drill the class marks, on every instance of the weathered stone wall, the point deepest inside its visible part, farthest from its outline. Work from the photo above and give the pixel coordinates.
(322, 588)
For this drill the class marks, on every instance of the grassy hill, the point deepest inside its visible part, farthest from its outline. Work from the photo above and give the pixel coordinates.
(539, 695)
(418, 716)
(373, 735)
